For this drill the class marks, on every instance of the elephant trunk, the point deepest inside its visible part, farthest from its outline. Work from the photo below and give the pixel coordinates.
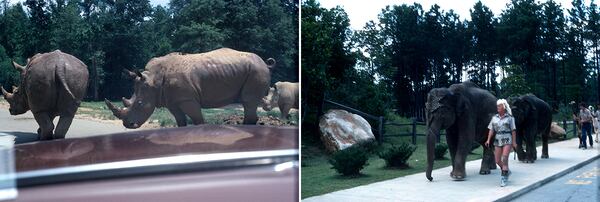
(432, 133)
(119, 113)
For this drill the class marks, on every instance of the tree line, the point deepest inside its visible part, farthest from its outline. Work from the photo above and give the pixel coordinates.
(391, 63)
(112, 35)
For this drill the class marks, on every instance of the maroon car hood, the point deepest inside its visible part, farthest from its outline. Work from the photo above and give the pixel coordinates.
(205, 139)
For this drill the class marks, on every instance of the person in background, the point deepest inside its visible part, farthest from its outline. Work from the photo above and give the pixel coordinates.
(596, 122)
(585, 120)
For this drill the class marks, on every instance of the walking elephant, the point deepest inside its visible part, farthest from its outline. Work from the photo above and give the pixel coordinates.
(532, 117)
(464, 111)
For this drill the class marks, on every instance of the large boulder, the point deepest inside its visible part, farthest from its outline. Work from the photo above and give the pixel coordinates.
(557, 132)
(341, 129)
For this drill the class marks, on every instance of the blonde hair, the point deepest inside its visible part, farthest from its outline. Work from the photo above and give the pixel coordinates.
(504, 103)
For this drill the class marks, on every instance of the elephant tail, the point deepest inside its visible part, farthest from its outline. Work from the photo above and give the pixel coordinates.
(271, 63)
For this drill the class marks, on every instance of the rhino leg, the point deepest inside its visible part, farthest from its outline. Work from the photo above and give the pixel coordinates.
(193, 110)
(179, 116)
(46, 126)
(285, 110)
(64, 122)
(250, 116)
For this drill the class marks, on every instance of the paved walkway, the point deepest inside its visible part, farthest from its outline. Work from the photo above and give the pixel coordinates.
(24, 127)
(564, 158)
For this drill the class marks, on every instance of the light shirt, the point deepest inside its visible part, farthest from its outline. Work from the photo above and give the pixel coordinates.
(506, 124)
(585, 116)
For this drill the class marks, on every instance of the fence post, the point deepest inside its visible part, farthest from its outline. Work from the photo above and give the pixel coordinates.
(565, 127)
(414, 130)
(575, 128)
(380, 129)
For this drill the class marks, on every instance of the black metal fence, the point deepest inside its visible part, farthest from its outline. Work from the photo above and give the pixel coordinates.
(414, 123)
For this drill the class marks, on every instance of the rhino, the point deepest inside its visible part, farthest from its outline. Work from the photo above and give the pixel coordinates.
(284, 95)
(52, 84)
(187, 83)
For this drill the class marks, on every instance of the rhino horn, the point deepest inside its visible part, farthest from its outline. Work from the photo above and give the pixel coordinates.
(126, 102)
(18, 67)
(119, 113)
(5, 93)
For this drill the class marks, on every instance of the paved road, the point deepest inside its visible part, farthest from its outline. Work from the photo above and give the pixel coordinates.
(24, 127)
(579, 185)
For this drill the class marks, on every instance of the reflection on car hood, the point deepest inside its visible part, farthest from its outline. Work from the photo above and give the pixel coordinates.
(204, 139)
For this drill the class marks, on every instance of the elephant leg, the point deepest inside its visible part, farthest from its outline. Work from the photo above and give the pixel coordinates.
(462, 150)
(64, 122)
(193, 110)
(530, 143)
(519, 149)
(46, 126)
(487, 162)
(452, 141)
(250, 116)
(179, 116)
(545, 135)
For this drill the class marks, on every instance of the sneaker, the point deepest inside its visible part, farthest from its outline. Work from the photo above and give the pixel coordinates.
(503, 180)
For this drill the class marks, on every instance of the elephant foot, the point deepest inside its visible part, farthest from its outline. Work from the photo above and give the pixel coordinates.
(457, 177)
(484, 172)
(493, 167)
(545, 156)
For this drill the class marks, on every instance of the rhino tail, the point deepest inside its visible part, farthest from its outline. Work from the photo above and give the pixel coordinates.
(61, 74)
(271, 63)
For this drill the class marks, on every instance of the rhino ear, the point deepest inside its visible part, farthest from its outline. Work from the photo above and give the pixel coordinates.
(130, 74)
(18, 67)
(143, 77)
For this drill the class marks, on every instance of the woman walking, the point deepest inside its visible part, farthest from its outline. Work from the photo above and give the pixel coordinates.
(503, 127)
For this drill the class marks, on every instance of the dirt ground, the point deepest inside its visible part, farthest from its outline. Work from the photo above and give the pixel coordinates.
(232, 119)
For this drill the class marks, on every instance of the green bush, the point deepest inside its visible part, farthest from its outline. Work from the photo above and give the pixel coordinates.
(397, 155)
(349, 161)
(440, 150)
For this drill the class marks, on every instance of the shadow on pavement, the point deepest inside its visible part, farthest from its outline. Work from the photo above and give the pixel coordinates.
(22, 137)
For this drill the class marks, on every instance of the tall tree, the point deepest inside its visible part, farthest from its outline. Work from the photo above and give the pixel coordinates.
(552, 39)
(483, 35)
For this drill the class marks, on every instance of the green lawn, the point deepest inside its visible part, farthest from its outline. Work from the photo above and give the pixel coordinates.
(318, 178)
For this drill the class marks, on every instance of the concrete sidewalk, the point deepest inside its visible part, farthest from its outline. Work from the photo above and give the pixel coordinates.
(564, 157)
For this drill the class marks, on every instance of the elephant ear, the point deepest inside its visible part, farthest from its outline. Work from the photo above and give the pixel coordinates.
(462, 104)
(530, 103)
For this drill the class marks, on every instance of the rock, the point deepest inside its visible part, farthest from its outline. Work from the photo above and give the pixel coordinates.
(556, 132)
(341, 129)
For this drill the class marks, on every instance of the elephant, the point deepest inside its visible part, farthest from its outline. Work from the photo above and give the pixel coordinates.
(464, 110)
(52, 84)
(532, 117)
(187, 83)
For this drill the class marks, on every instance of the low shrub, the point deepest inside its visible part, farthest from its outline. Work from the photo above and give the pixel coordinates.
(349, 161)
(397, 155)
(440, 150)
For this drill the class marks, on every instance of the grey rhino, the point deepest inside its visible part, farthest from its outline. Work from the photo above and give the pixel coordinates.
(186, 83)
(52, 84)
(284, 95)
